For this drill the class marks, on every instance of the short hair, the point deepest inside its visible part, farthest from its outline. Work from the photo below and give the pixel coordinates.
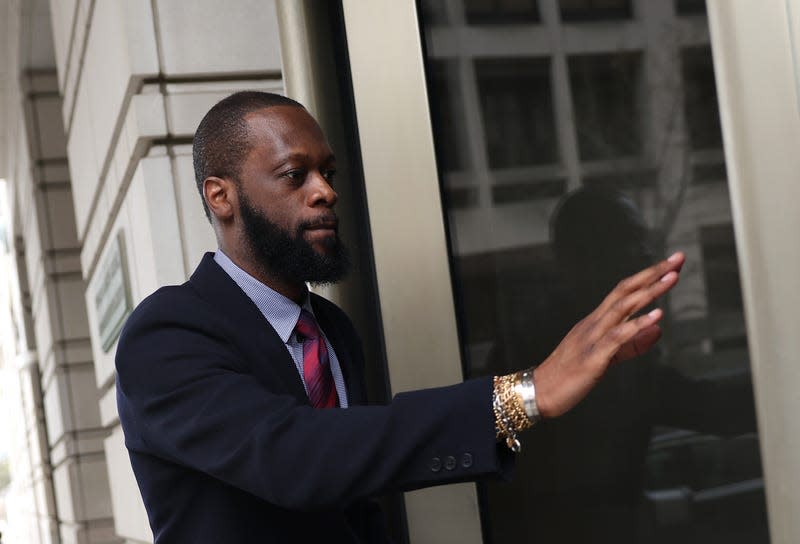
(222, 141)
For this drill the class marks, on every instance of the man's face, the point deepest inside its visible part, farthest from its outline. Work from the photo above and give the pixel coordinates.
(286, 198)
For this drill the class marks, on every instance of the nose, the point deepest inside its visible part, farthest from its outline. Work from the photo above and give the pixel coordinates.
(321, 192)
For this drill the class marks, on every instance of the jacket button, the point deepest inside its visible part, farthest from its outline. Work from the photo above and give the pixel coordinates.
(436, 464)
(450, 462)
(466, 460)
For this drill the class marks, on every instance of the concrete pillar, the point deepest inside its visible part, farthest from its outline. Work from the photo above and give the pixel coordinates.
(34, 493)
(61, 330)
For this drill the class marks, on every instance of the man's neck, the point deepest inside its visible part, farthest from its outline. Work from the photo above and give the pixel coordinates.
(292, 289)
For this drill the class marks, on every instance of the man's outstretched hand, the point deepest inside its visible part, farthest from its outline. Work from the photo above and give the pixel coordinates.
(606, 336)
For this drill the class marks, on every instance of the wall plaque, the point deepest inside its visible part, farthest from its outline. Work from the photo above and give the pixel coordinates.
(112, 298)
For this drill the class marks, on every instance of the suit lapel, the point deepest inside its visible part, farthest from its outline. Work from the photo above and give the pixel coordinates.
(216, 286)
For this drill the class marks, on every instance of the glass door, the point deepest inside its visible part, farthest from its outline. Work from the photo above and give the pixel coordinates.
(577, 141)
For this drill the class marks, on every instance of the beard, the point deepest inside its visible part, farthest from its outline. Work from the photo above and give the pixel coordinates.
(289, 255)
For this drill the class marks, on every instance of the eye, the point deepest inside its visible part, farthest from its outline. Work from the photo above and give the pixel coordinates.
(329, 174)
(296, 175)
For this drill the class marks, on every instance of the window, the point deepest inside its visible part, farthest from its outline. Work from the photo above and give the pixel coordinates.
(434, 11)
(500, 11)
(723, 291)
(516, 104)
(447, 110)
(700, 98)
(533, 259)
(606, 99)
(594, 10)
(690, 7)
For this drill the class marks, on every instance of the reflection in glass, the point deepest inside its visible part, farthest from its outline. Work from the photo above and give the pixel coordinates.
(568, 161)
(700, 98)
(517, 111)
(500, 11)
(447, 111)
(690, 7)
(605, 91)
(594, 10)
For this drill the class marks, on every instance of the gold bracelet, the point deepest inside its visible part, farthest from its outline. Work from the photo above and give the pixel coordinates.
(505, 430)
(513, 404)
(509, 407)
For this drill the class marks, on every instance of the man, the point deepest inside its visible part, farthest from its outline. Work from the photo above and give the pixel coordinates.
(223, 382)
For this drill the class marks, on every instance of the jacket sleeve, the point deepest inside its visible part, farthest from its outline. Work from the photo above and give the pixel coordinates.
(185, 396)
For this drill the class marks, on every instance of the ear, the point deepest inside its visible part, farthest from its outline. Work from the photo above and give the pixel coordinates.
(220, 195)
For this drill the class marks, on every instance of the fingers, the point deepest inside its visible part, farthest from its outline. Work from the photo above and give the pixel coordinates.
(634, 293)
(646, 277)
(639, 344)
(574, 368)
(607, 335)
(617, 344)
(629, 305)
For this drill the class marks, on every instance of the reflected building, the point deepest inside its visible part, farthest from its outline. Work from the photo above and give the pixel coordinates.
(528, 107)
(531, 102)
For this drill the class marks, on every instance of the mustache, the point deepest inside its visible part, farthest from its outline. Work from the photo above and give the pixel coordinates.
(325, 220)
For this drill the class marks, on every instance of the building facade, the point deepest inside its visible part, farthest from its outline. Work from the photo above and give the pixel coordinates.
(460, 126)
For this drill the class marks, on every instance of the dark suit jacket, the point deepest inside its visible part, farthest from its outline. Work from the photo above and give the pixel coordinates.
(226, 449)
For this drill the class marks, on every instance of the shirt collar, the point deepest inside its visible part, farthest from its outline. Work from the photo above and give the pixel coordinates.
(281, 312)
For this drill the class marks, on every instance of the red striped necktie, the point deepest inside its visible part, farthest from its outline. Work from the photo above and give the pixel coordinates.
(316, 365)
